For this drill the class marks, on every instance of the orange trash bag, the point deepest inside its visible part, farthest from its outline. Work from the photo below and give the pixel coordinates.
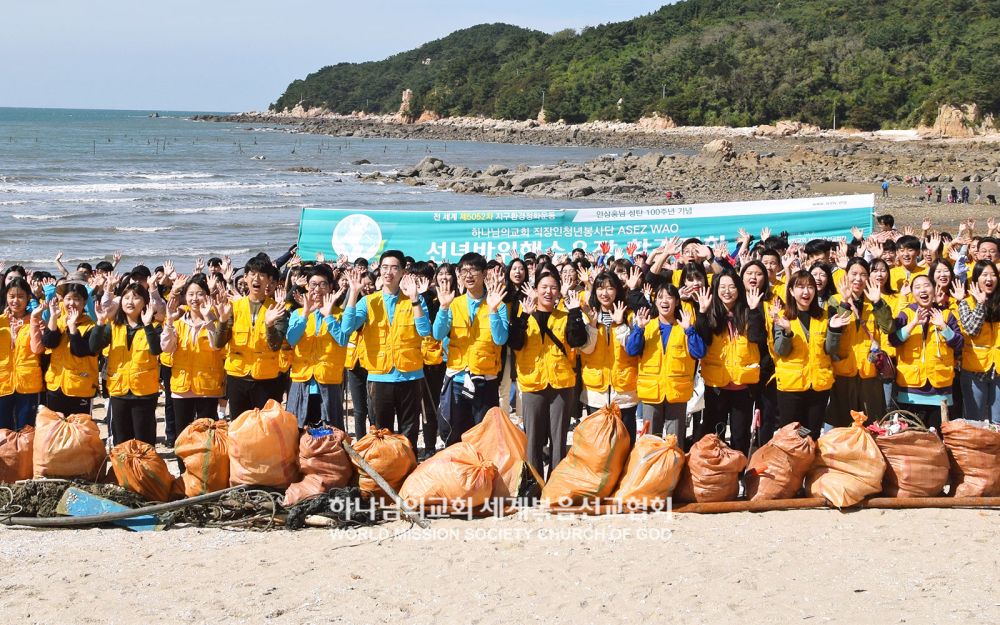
(263, 447)
(506, 446)
(203, 447)
(15, 454)
(777, 469)
(140, 469)
(975, 458)
(917, 459)
(323, 463)
(455, 480)
(66, 447)
(595, 462)
(391, 455)
(849, 466)
(652, 471)
(712, 472)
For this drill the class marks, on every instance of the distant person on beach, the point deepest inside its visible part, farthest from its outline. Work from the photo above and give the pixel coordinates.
(979, 193)
(937, 190)
(965, 194)
(953, 195)
(885, 188)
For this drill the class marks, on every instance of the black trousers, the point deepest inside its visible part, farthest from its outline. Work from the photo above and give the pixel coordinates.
(170, 430)
(396, 406)
(734, 407)
(767, 403)
(806, 407)
(357, 386)
(133, 418)
(248, 394)
(434, 378)
(185, 411)
(58, 402)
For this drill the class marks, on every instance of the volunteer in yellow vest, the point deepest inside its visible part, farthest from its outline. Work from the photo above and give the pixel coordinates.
(979, 317)
(71, 380)
(545, 339)
(908, 256)
(754, 277)
(668, 347)
(434, 352)
(926, 340)
(319, 353)
(133, 343)
(393, 322)
(802, 342)
(731, 365)
(856, 384)
(608, 372)
(20, 356)
(197, 372)
(357, 376)
(476, 326)
(253, 328)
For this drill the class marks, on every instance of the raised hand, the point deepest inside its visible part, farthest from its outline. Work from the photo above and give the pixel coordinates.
(273, 314)
(957, 290)
(685, 320)
(780, 321)
(205, 309)
(423, 284)
(704, 296)
(631, 247)
(634, 278)
(647, 292)
(148, 314)
(765, 233)
(280, 294)
(224, 304)
(753, 298)
(530, 303)
(55, 310)
(977, 293)
(926, 225)
(99, 312)
(117, 258)
(168, 269)
(495, 295)
(842, 290)
(872, 291)
(327, 308)
(857, 233)
(672, 246)
(934, 244)
(744, 236)
(408, 285)
(618, 313)
(937, 318)
(72, 316)
(572, 301)
(642, 317)
(199, 265)
(841, 319)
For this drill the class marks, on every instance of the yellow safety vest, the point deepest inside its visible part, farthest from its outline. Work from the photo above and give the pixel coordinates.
(665, 374)
(20, 368)
(979, 353)
(74, 376)
(807, 366)
(249, 353)
(197, 368)
(134, 370)
(730, 360)
(390, 345)
(856, 344)
(470, 342)
(924, 358)
(318, 355)
(541, 364)
(609, 364)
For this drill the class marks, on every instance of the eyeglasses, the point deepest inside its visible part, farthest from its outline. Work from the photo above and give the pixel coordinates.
(319, 285)
(468, 271)
(387, 268)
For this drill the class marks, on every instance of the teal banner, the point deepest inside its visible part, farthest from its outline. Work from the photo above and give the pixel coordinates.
(447, 235)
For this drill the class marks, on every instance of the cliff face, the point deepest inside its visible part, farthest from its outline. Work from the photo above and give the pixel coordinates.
(960, 121)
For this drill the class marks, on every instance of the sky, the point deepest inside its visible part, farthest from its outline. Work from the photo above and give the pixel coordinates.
(224, 55)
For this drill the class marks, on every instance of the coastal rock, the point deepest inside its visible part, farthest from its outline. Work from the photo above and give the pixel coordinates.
(717, 151)
(785, 128)
(428, 116)
(496, 170)
(361, 161)
(529, 179)
(650, 160)
(656, 122)
(305, 170)
(429, 165)
(960, 121)
(405, 115)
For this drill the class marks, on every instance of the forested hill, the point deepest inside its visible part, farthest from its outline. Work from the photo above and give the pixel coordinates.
(731, 62)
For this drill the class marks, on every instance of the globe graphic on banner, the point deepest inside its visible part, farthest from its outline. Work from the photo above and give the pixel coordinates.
(357, 236)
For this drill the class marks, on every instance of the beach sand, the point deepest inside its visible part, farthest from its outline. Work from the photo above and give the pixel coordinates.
(813, 566)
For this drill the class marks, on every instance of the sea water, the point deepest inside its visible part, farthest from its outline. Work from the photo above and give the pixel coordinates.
(93, 182)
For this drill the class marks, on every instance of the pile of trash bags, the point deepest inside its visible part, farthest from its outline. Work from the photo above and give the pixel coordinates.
(896, 456)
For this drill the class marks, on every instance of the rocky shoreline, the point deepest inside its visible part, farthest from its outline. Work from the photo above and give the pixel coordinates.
(726, 164)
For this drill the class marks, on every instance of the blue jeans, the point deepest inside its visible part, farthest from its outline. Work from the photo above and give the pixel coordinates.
(17, 410)
(981, 396)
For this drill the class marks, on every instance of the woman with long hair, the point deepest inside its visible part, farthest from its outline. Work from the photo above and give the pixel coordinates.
(979, 318)
(20, 356)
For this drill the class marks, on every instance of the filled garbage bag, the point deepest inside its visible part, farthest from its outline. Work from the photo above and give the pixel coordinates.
(390, 455)
(15, 454)
(264, 447)
(203, 447)
(777, 469)
(917, 464)
(504, 444)
(594, 464)
(712, 472)
(849, 466)
(323, 462)
(140, 469)
(974, 449)
(455, 480)
(652, 471)
(66, 446)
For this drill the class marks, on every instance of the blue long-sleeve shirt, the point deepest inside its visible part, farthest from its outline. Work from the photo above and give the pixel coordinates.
(499, 324)
(637, 340)
(356, 316)
(297, 327)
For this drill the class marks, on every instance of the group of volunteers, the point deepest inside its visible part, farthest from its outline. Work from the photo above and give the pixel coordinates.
(735, 340)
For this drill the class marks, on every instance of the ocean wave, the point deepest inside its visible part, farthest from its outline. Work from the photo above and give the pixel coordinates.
(37, 217)
(193, 210)
(100, 200)
(142, 228)
(92, 189)
(14, 203)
